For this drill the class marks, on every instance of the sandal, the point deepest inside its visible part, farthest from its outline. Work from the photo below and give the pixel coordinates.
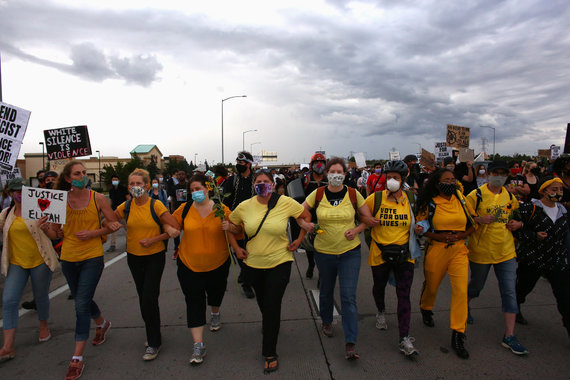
(6, 355)
(269, 366)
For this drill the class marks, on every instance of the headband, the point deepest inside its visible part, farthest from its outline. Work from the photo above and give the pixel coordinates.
(549, 182)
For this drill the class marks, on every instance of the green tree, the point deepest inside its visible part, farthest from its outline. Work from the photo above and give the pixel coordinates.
(134, 163)
(152, 169)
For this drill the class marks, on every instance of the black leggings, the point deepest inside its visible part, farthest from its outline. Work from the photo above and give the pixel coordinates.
(527, 277)
(269, 285)
(199, 287)
(147, 273)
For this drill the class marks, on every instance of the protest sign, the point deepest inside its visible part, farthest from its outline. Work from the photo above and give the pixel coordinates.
(428, 160)
(394, 156)
(466, 155)
(554, 152)
(13, 125)
(442, 151)
(360, 160)
(6, 175)
(457, 137)
(544, 153)
(62, 143)
(567, 141)
(39, 202)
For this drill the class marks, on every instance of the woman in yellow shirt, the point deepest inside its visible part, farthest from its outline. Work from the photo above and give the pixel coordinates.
(338, 249)
(203, 261)
(26, 252)
(449, 225)
(268, 254)
(145, 251)
(82, 256)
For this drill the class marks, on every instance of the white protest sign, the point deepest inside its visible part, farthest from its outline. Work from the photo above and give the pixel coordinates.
(394, 156)
(39, 202)
(442, 151)
(13, 125)
(6, 175)
(360, 160)
(554, 152)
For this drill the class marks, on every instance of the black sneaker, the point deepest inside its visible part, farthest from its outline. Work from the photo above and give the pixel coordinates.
(458, 344)
(29, 305)
(309, 273)
(248, 291)
(520, 319)
(427, 317)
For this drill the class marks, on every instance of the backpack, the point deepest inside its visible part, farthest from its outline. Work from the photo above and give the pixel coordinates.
(480, 197)
(351, 195)
(378, 203)
(152, 212)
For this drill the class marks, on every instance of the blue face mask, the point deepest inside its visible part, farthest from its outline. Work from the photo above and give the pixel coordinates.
(79, 184)
(198, 196)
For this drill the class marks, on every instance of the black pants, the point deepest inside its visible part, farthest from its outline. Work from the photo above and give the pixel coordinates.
(269, 285)
(199, 287)
(147, 273)
(527, 277)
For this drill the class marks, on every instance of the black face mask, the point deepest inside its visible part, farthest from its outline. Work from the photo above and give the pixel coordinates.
(241, 168)
(447, 188)
(49, 185)
(535, 171)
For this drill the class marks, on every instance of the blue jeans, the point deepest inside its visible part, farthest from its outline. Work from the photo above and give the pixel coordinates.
(14, 287)
(347, 266)
(506, 273)
(82, 278)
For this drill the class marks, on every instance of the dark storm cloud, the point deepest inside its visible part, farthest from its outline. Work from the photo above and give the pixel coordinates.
(414, 68)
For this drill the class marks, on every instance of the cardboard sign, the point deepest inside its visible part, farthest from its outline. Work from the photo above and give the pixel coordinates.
(62, 143)
(442, 151)
(394, 156)
(39, 202)
(6, 175)
(360, 160)
(544, 153)
(457, 137)
(466, 155)
(428, 160)
(554, 152)
(13, 125)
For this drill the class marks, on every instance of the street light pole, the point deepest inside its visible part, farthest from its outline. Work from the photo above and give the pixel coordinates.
(493, 128)
(223, 100)
(195, 162)
(43, 159)
(99, 153)
(243, 137)
(420, 145)
(251, 147)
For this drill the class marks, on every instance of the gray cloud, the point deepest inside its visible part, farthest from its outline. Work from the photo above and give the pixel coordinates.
(419, 66)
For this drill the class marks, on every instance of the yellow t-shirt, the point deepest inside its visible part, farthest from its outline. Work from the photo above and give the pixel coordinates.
(203, 246)
(335, 221)
(141, 225)
(492, 243)
(73, 249)
(23, 247)
(394, 226)
(269, 248)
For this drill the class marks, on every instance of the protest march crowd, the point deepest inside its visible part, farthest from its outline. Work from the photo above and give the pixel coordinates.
(464, 218)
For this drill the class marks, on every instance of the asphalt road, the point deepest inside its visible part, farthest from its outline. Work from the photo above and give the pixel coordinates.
(235, 351)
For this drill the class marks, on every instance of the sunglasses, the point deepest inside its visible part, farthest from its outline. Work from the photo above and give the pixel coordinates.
(263, 171)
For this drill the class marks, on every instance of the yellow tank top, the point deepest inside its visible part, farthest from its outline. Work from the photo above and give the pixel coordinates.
(87, 218)
(23, 247)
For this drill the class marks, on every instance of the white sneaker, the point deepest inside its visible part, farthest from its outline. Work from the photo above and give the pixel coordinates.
(381, 322)
(407, 347)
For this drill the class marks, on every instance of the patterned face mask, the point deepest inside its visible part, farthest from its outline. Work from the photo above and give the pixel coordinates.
(335, 179)
(556, 197)
(137, 191)
(447, 188)
(263, 189)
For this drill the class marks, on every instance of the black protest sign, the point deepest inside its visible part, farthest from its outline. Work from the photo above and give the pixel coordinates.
(457, 137)
(62, 143)
(13, 125)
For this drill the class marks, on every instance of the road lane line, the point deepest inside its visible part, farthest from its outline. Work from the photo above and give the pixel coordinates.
(65, 287)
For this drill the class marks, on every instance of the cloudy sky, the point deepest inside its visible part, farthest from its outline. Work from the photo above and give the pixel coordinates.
(341, 76)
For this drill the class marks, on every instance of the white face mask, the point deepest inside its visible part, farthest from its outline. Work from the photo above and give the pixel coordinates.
(335, 179)
(482, 171)
(393, 185)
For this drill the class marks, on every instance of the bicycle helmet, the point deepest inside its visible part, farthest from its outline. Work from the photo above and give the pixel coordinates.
(318, 157)
(396, 166)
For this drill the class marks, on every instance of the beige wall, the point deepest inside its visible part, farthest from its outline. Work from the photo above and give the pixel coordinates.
(146, 157)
